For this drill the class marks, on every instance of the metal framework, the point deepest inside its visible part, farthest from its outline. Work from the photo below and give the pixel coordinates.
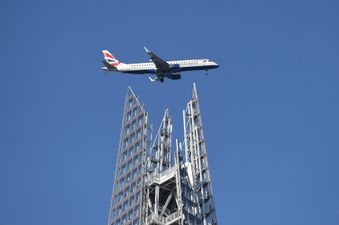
(126, 202)
(196, 159)
(149, 187)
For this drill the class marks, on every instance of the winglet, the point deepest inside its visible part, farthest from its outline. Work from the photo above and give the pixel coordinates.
(146, 50)
(152, 79)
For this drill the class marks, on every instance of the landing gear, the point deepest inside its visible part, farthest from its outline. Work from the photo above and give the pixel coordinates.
(206, 72)
(161, 79)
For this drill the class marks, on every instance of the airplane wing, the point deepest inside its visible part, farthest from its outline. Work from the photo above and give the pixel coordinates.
(161, 64)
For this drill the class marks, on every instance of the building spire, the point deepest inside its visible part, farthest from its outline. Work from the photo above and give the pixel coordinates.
(150, 188)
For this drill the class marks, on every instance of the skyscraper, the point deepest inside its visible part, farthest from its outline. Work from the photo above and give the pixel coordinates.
(126, 202)
(154, 184)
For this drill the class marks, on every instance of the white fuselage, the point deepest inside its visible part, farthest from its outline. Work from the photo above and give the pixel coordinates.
(178, 66)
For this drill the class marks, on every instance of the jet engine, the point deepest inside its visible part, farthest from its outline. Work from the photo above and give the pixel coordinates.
(174, 68)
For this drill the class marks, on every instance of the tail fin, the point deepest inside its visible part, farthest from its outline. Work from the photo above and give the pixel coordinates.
(110, 59)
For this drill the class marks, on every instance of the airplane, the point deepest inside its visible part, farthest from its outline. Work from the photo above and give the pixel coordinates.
(157, 66)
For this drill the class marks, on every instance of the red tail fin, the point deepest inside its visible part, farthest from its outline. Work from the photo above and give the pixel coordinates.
(109, 58)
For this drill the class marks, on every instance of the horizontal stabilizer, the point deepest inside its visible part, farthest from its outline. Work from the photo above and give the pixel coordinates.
(109, 66)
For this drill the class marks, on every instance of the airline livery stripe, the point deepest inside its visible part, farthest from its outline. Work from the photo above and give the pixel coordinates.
(108, 55)
(115, 64)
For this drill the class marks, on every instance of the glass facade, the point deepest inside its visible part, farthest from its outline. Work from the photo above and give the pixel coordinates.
(126, 199)
(196, 156)
(150, 188)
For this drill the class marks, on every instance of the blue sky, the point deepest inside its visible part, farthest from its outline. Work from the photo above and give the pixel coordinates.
(270, 111)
